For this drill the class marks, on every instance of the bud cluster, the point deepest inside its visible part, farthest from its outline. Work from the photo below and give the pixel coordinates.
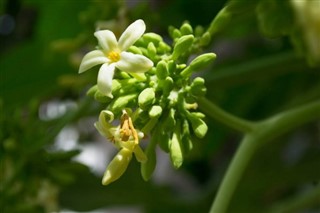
(163, 101)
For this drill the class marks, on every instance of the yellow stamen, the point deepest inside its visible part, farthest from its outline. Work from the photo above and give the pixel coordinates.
(113, 56)
(127, 129)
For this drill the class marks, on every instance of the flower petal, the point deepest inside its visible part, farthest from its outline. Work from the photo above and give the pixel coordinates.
(130, 62)
(133, 32)
(107, 40)
(92, 59)
(105, 77)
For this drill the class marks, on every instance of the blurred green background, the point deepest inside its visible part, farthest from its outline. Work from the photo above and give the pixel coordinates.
(52, 158)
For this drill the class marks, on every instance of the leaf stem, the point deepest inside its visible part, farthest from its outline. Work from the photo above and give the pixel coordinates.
(259, 133)
(224, 117)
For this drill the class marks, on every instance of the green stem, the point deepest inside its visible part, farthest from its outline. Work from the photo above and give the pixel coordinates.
(260, 133)
(224, 117)
(234, 173)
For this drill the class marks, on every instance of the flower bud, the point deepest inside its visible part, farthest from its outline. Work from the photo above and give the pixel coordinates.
(152, 37)
(199, 127)
(182, 46)
(135, 50)
(152, 51)
(199, 63)
(197, 87)
(117, 166)
(175, 147)
(186, 29)
(163, 140)
(163, 47)
(186, 137)
(198, 31)
(148, 167)
(162, 70)
(205, 39)
(155, 111)
(139, 154)
(101, 97)
(120, 103)
(176, 34)
(92, 91)
(167, 86)
(169, 121)
(146, 98)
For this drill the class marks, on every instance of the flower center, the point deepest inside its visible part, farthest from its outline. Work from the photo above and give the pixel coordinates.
(113, 56)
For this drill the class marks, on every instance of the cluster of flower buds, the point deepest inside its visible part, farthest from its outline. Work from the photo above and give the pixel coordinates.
(161, 102)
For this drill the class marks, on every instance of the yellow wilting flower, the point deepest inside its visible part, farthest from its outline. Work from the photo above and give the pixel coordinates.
(126, 138)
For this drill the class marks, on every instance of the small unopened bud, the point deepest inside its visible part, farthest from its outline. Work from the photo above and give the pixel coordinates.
(175, 147)
(199, 63)
(148, 167)
(186, 137)
(152, 37)
(146, 98)
(139, 154)
(199, 127)
(152, 51)
(205, 39)
(155, 111)
(186, 29)
(117, 166)
(101, 97)
(162, 70)
(197, 87)
(182, 46)
(121, 102)
(92, 91)
(135, 50)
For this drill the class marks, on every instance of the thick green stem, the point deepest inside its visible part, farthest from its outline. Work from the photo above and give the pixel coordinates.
(232, 177)
(224, 117)
(260, 133)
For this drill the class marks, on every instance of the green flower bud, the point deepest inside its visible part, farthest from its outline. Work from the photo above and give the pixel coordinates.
(186, 29)
(148, 167)
(198, 31)
(154, 114)
(92, 91)
(163, 47)
(199, 114)
(163, 140)
(182, 46)
(186, 137)
(197, 87)
(120, 103)
(101, 97)
(152, 37)
(146, 98)
(169, 121)
(175, 147)
(155, 111)
(176, 34)
(162, 70)
(205, 39)
(168, 85)
(135, 50)
(117, 166)
(152, 51)
(199, 127)
(116, 86)
(199, 63)
(139, 154)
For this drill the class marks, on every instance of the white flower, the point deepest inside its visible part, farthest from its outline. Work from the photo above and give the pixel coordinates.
(113, 55)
